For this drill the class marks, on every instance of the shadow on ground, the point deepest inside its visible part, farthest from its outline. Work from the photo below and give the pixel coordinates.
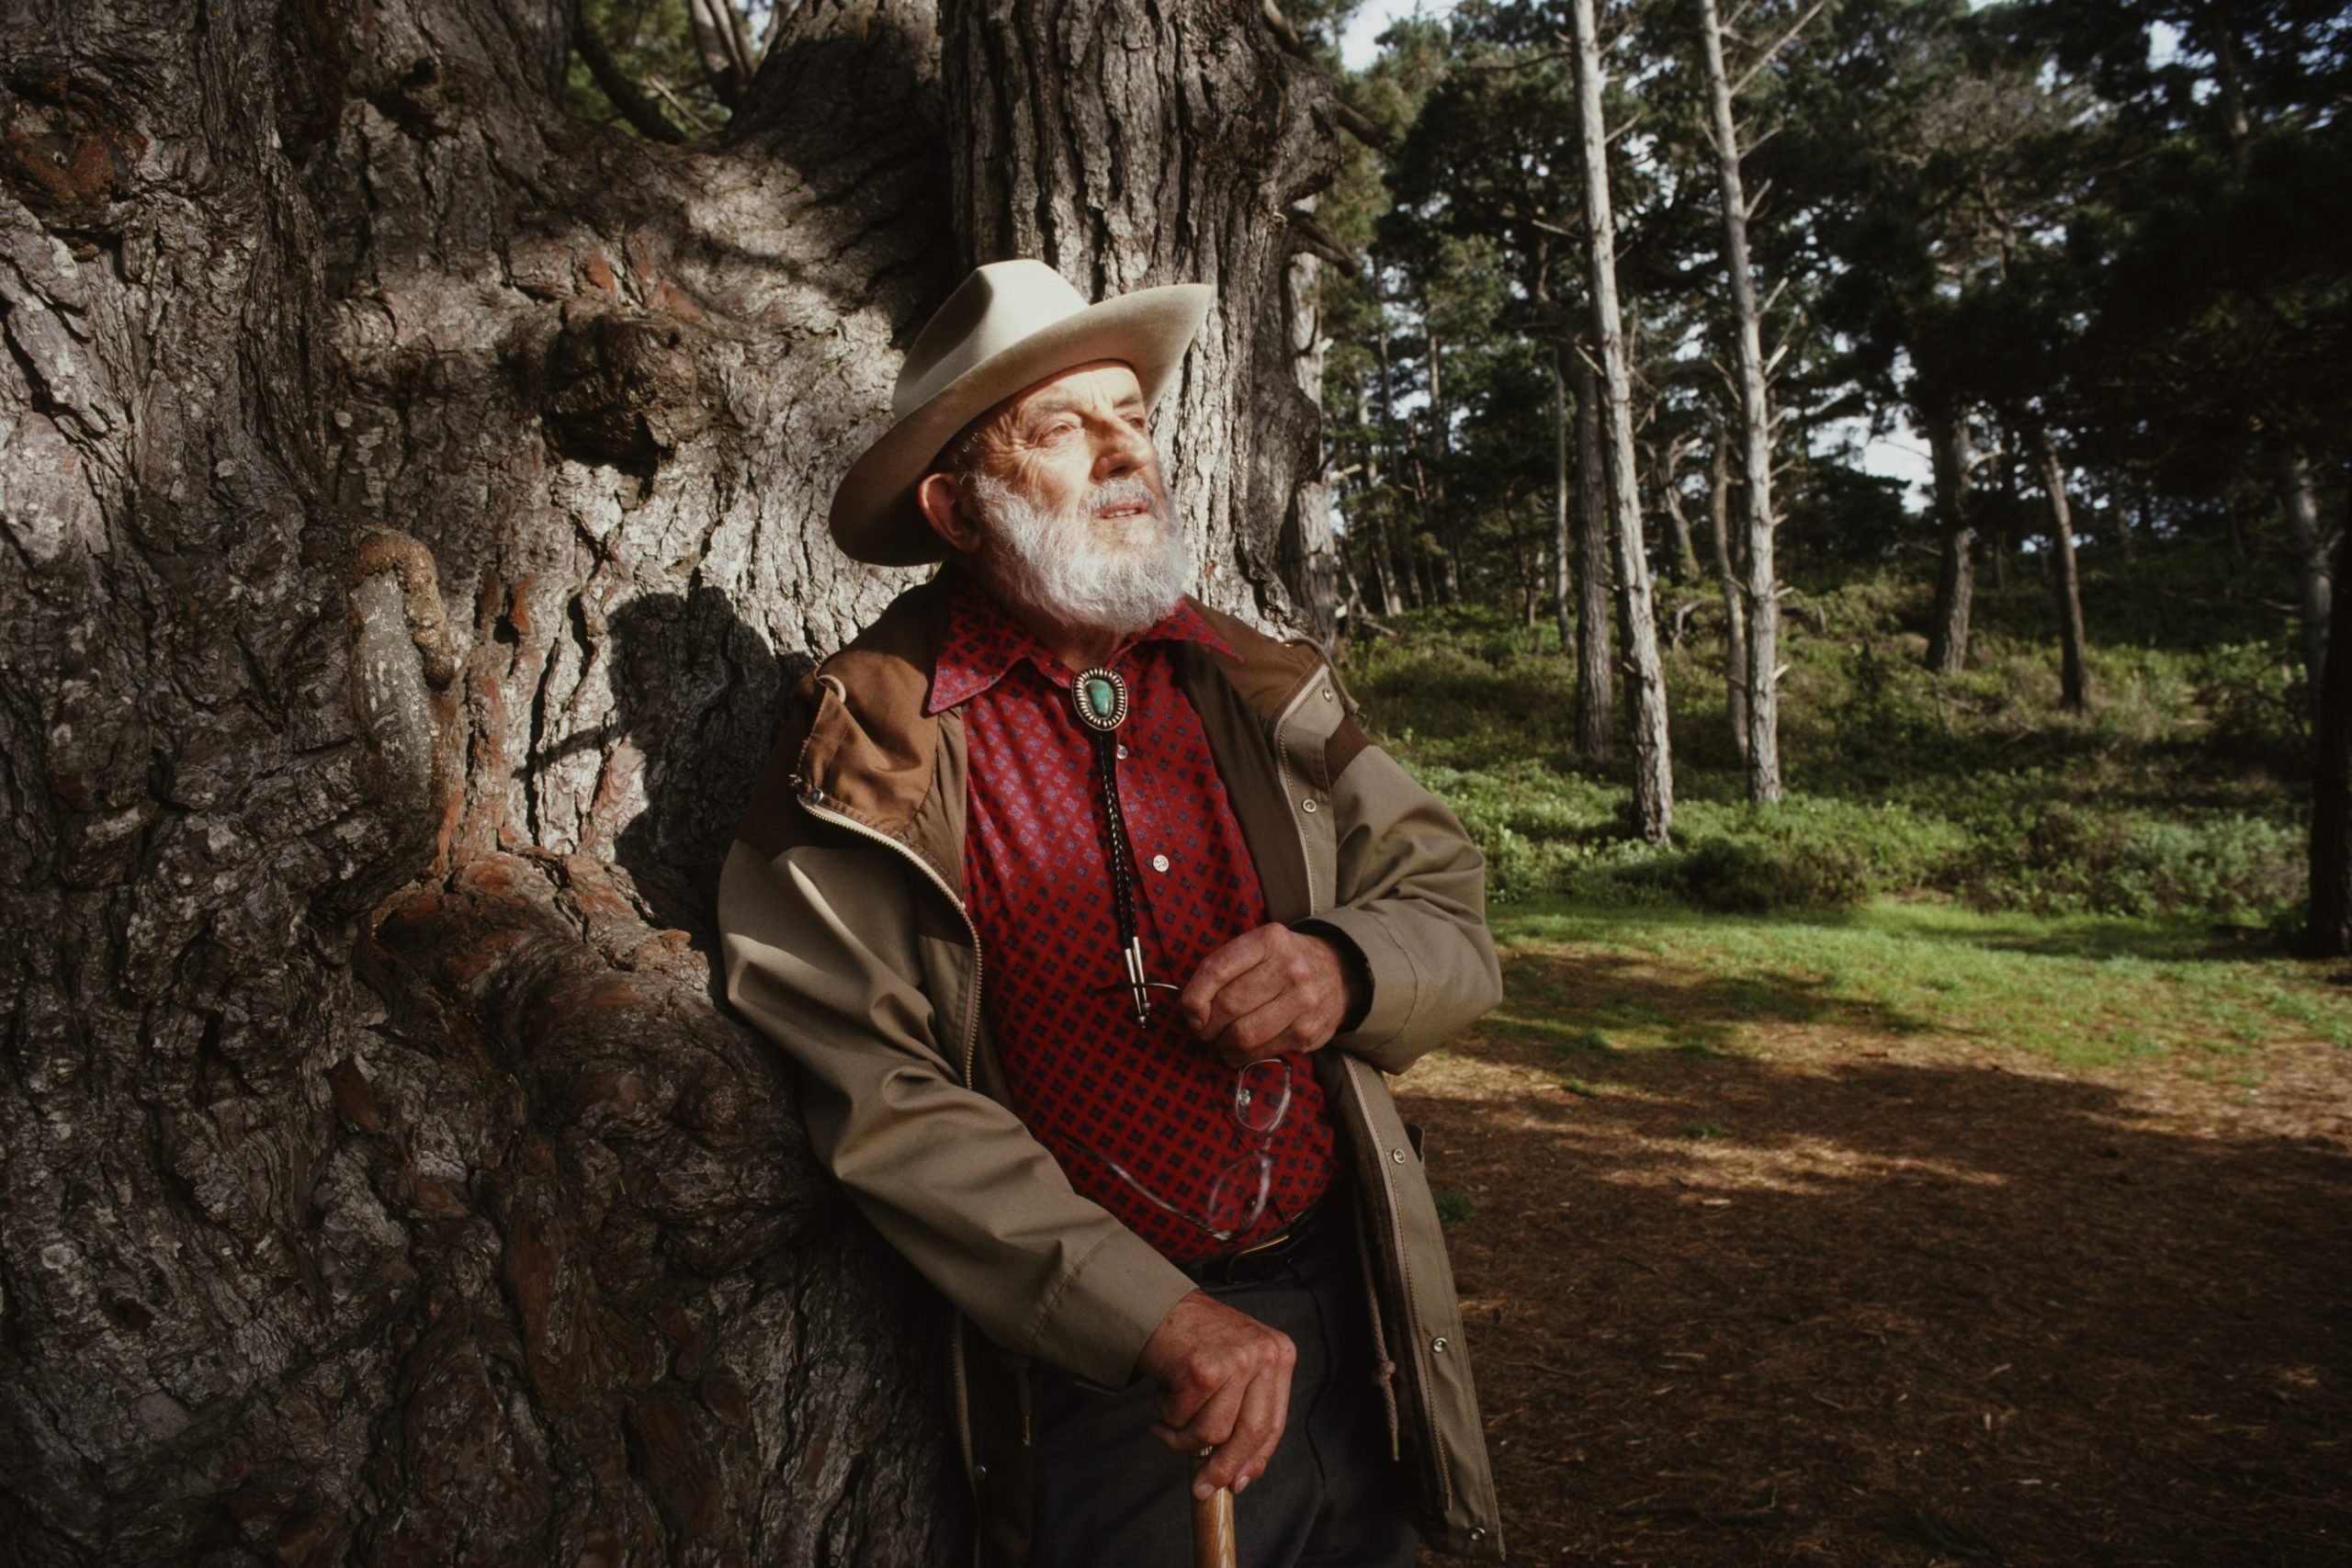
(1884, 1300)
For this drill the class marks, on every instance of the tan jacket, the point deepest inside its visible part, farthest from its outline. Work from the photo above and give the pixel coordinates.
(846, 939)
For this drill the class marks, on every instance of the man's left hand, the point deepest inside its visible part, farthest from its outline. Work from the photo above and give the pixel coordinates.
(1267, 992)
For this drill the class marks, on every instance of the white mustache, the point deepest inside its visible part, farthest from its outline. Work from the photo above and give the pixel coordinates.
(1127, 490)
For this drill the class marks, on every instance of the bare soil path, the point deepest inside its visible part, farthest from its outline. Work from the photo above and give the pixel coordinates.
(1829, 1287)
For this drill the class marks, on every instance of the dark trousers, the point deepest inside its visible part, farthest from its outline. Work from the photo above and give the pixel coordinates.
(1111, 1495)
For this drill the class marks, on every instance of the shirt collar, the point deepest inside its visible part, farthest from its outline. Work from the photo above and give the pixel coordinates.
(983, 642)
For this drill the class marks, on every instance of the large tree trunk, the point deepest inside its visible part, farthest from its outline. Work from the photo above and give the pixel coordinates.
(1951, 453)
(1596, 637)
(1653, 804)
(2327, 931)
(1397, 532)
(1369, 528)
(1683, 542)
(1735, 602)
(1436, 515)
(2073, 658)
(1763, 592)
(1308, 552)
(413, 502)
(2312, 550)
(1563, 539)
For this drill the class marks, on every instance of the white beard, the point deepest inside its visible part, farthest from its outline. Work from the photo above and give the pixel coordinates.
(1068, 568)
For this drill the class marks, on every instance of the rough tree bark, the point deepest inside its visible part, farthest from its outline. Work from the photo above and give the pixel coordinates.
(1563, 532)
(2327, 929)
(1653, 803)
(412, 507)
(1596, 634)
(1735, 602)
(2312, 551)
(2073, 658)
(1951, 453)
(1666, 464)
(1370, 531)
(1435, 516)
(1397, 530)
(1761, 588)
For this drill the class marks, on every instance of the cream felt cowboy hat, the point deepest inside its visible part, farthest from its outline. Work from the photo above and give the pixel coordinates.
(1011, 325)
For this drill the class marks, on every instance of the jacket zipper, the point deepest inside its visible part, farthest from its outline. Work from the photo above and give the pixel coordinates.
(811, 800)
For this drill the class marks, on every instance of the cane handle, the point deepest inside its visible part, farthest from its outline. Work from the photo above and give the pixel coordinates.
(1213, 1544)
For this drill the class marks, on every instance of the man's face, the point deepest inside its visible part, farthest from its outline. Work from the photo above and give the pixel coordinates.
(1057, 443)
(1074, 520)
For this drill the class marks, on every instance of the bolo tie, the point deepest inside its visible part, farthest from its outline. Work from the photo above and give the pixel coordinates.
(1100, 697)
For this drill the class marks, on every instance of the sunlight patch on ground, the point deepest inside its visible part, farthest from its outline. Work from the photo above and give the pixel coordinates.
(2082, 992)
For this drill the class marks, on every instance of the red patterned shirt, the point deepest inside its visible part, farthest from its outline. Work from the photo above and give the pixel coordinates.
(1095, 1089)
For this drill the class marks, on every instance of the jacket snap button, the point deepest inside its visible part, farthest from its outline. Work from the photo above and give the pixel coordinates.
(1438, 1344)
(979, 1472)
(1327, 695)
(1477, 1532)
(1307, 807)
(1397, 1156)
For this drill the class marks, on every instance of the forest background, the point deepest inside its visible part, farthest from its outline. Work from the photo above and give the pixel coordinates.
(2090, 257)
(416, 410)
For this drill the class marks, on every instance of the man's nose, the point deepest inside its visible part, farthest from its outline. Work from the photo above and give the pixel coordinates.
(1120, 450)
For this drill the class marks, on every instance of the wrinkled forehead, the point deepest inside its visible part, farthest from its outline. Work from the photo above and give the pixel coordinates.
(1102, 383)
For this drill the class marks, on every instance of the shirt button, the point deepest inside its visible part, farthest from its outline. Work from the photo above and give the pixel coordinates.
(1159, 863)
(1123, 753)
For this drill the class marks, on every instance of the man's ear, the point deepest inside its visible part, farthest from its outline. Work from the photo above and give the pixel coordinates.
(940, 497)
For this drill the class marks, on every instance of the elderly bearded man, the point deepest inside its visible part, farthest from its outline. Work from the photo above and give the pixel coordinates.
(1095, 924)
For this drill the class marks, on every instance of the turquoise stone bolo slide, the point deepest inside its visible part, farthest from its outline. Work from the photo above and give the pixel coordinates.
(1101, 698)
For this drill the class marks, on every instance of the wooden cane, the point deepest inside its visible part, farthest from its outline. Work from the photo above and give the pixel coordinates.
(1213, 1544)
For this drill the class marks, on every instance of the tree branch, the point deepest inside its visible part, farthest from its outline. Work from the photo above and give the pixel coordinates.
(634, 106)
(1317, 238)
(1785, 39)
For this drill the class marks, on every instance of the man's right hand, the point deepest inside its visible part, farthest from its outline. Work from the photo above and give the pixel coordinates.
(1224, 1383)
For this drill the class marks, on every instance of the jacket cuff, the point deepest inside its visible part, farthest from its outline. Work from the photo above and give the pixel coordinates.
(1352, 962)
(1395, 981)
(1096, 1323)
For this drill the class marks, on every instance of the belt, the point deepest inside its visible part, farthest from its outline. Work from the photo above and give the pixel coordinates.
(1259, 1261)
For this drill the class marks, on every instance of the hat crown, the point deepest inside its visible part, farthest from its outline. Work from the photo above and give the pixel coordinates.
(994, 308)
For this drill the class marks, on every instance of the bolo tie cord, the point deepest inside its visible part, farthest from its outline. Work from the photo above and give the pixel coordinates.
(1123, 871)
(1099, 697)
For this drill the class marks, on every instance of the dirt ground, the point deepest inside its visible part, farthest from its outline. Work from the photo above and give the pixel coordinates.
(1849, 1297)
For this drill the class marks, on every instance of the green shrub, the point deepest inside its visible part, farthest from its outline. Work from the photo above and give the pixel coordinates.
(2178, 797)
(2071, 859)
(2255, 694)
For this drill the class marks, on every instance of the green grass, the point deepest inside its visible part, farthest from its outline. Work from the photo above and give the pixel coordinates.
(1453, 1205)
(2179, 798)
(1587, 982)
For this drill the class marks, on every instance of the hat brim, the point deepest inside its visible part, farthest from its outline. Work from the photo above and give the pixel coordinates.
(875, 516)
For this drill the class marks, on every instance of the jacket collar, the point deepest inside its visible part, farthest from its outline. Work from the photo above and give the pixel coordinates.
(983, 641)
(874, 752)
